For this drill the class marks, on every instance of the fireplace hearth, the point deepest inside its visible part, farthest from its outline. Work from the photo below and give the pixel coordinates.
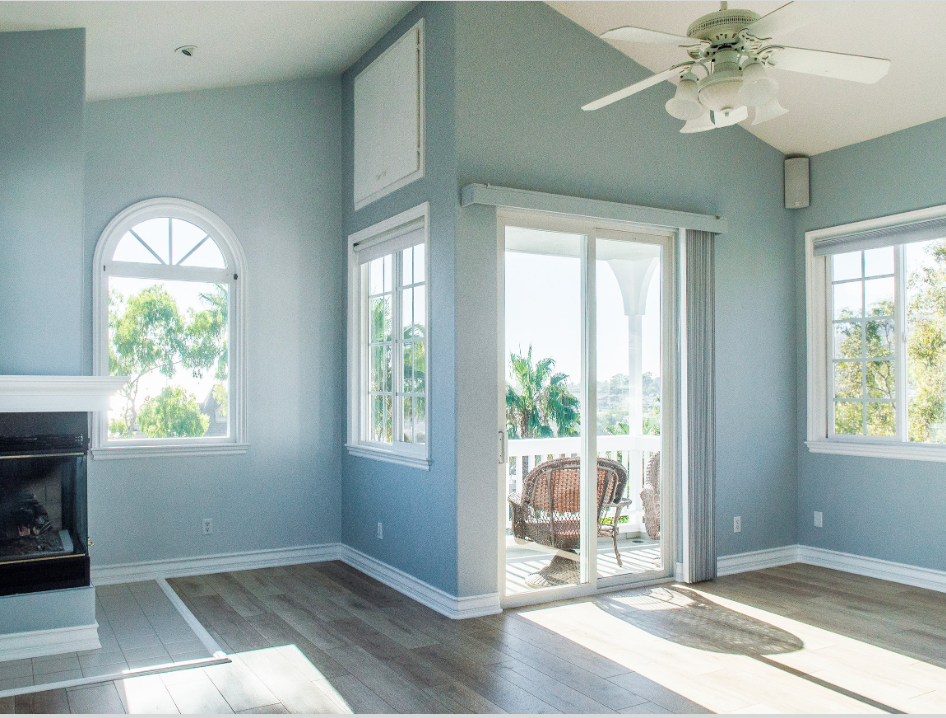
(43, 511)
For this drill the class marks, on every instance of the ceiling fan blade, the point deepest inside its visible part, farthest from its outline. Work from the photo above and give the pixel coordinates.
(856, 68)
(785, 19)
(651, 37)
(633, 89)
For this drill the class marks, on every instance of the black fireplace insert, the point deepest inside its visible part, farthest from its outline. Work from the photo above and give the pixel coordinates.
(43, 509)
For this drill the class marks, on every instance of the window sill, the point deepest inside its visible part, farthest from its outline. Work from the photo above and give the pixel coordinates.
(914, 452)
(149, 452)
(415, 462)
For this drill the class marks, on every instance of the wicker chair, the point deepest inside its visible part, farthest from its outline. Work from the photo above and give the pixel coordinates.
(548, 511)
(650, 497)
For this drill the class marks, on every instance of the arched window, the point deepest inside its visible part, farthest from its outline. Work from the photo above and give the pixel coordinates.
(168, 285)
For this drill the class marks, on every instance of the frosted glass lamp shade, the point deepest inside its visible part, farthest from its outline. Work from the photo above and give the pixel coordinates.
(720, 91)
(699, 124)
(757, 87)
(685, 104)
(769, 111)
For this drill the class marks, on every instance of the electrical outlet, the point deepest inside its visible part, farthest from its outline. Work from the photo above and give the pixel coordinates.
(380, 530)
(208, 527)
(819, 519)
(736, 524)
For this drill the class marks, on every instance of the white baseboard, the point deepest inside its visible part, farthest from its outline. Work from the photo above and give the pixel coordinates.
(851, 563)
(450, 606)
(755, 560)
(440, 601)
(874, 568)
(170, 568)
(32, 644)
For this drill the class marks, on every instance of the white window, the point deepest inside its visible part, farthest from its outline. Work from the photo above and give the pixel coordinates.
(388, 340)
(877, 337)
(168, 283)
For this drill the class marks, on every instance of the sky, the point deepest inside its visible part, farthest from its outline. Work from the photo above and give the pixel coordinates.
(543, 308)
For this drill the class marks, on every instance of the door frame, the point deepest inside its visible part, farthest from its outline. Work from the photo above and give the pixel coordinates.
(673, 373)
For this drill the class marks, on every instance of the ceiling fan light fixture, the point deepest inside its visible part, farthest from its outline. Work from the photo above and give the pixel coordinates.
(685, 104)
(727, 117)
(720, 91)
(757, 87)
(699, 124)
(769, 111)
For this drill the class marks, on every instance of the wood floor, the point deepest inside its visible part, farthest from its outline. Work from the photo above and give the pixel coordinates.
(324, 638)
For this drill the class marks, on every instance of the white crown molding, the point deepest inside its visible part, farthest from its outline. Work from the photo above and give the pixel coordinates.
(57, 393)
(442, 602)
(50, 642)
(198, 565)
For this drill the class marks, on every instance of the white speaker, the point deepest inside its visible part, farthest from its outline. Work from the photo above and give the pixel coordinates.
(796, 183)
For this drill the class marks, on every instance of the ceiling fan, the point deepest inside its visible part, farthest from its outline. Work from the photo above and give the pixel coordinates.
(731, 49)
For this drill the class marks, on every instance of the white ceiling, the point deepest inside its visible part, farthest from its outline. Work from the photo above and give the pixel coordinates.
(824, 114)
(130, 45)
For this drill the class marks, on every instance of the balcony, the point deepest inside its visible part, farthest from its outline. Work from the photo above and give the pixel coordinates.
(638, 552)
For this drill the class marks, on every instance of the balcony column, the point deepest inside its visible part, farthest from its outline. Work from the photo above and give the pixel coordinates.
(634, 277)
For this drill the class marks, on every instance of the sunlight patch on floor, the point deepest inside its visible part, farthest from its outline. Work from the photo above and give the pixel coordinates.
(253, 679)
(829, 673)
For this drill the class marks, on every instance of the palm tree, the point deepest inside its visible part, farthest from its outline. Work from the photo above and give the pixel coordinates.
(539, 404)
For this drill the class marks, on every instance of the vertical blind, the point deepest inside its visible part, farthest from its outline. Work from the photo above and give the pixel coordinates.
(701, 406)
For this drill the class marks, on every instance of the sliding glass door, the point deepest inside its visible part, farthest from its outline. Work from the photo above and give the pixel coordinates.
(585, 320)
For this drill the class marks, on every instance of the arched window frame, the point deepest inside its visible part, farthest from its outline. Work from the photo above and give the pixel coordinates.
(234, 276)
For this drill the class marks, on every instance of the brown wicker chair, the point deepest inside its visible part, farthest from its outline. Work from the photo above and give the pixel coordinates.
(650, 497)
(548, 511)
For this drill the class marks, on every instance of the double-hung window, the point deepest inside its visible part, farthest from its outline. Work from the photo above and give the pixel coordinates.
(388, 340)
(877, 337)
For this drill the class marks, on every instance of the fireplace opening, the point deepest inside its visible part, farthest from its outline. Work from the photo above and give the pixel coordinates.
(43, 511)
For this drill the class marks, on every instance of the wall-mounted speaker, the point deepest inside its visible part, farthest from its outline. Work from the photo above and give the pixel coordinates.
(796, 183)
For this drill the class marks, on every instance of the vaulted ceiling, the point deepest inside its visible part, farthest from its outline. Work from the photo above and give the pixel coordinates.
(130, 46)
(824, 114)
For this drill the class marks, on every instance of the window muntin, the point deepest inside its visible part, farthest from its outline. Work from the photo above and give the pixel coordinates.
(863, 288)
(395, 304)
(887, 343)
(389, 342)
(168, 314)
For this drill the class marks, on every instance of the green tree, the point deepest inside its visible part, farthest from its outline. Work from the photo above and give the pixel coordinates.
(880, 374)
(173, 413)
(926, 347)
(538, 401)
(149, 334)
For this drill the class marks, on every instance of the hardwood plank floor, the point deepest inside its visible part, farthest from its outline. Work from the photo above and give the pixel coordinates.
(324, 638)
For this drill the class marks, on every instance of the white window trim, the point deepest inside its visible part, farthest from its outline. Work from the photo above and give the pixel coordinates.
(818, 439)
(416, 456)
(230, 247)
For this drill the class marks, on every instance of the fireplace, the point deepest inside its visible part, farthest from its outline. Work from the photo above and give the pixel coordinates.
(43, 512)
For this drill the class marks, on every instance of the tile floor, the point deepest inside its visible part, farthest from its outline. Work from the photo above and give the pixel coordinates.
(138, 627)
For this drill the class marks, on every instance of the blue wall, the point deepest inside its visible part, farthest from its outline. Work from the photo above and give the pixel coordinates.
(266, 159)
(505, 83)
(523, 73)
(883, 508)
(42, 86)
(417, 507)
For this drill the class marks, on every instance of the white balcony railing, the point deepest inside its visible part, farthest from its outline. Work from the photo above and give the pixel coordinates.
(632, 451)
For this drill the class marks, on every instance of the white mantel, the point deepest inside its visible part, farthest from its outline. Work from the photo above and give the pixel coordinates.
(57, 393)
